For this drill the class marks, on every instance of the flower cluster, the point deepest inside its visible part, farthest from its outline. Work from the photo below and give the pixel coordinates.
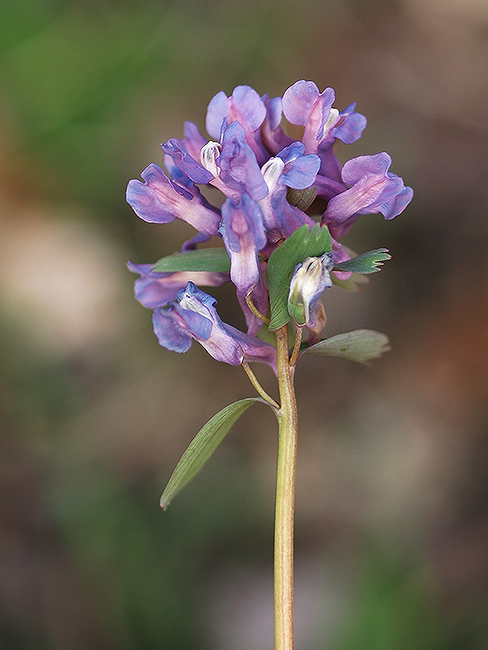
(272, 185)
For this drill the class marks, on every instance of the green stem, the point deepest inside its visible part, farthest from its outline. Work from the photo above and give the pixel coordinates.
(285, 498)
(255, 310)
(296, 347)
(255, 382)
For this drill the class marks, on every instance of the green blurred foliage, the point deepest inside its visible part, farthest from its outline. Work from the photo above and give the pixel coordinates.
(74, 73)
(396, 608)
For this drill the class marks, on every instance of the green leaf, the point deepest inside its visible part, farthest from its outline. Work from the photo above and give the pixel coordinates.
(369, 262)
(204, 259)
(301, 244)
(203, 446)
(360, 345)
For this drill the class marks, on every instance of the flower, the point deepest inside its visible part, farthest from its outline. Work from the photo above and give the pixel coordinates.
(244, 236)
(193, 316)
(372, 189)
(272, 185)
(160, 200)
(246, 108)
(304, 105)
(289, 169)
(310, 280)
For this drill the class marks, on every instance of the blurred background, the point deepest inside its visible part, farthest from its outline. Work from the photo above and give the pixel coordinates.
(392, 519)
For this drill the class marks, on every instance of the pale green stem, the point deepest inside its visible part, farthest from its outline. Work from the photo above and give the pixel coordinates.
(285, 498)
(255, 382)
(296, 347)
(255, 310)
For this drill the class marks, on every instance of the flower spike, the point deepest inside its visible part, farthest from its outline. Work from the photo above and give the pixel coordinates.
(276, 233)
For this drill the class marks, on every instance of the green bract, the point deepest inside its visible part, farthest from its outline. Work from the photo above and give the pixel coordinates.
(360, 345)
(204, 259)
(369, 262)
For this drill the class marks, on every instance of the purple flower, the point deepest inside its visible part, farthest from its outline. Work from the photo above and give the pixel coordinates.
(196, 158)
(193, 316)
(184, 161)
(161, 200)
(230, 166)
(289, 168)
(304, 105)
(272, 185)
(372, 189)
(154, 289)
(244, 106)
(239, 168)
(244, 236)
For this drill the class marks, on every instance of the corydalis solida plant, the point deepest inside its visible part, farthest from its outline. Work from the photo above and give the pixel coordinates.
(287, 204)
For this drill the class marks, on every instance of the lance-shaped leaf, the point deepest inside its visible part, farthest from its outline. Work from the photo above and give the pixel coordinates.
(294, 250)
(204, 259)
(369, 262)
(359, 345)
(203, 446)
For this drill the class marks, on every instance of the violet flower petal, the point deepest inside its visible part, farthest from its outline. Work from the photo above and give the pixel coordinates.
(273, 136)
(184, 161)
(238, 164)
(244, 106)
(350, 125)
(373, 189)
(304, 105)
(170, 334)
(300, 170)
(195, 316)
(244, 236)
(160, 200)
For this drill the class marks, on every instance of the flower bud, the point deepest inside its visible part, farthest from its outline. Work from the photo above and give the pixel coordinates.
(301, 199)
(309, 281)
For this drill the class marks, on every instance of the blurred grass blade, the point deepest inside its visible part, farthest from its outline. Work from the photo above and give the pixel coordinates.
(203, 446)
(360, 345)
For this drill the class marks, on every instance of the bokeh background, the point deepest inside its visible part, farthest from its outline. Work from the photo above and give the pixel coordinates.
(392, 520)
